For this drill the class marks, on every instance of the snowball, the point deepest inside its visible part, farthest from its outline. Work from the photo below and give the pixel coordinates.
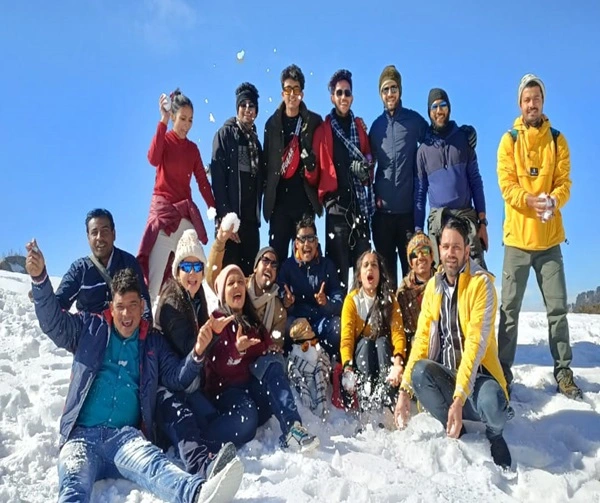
(276, 334)
(211, 117)
(240, 55)
(211, 213)
(206, 100)
(229, 220)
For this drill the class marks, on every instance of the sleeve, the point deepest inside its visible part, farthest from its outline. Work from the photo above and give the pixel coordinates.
(202, 179)
(475, 181)
(333, 289)
(312, 177)
(157, 146)
(219, 166)
(279, 323)
(508, 180)
(147, 315)
(174, 373)
(215, 263)
(478, 335)
(67, 291)
(266, 156)
(176, 329)
(398, 333)
(423, 128)
(561, 190)
(348, 329)
(421, 183)
(63, 328)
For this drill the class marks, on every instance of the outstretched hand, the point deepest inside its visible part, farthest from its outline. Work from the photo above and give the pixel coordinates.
(402, 410)
(205, 335)
(243, 342)
(34, 263)
(218, 324)
(321, 297)
(224, 234)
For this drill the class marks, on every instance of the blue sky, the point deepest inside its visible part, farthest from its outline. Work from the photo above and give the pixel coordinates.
(80, 83)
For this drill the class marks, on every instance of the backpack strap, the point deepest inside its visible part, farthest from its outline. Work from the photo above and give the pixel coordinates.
(555, 134)
(102, 270)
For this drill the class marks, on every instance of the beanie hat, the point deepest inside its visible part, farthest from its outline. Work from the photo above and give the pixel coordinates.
(261, 252)
(187, 246)
(246, 91)
(530, 77)
(222, 279)
(390, 73)
(301, 330)
(418, 240)
(437, 94)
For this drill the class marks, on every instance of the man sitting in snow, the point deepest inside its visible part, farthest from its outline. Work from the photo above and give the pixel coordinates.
(453, 368)
(88, 279)
(118, 363)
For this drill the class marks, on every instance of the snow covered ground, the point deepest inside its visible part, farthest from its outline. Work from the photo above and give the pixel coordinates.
(554, 441)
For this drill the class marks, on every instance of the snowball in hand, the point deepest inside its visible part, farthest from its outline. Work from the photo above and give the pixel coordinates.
(229, 220)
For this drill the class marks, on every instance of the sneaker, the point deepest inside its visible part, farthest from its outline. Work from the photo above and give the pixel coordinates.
(222, 486)
(299, 437)
(567, 386)
(500, 453)
(221, 460)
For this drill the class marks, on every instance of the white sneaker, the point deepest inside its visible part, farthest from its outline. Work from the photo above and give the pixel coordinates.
(222, 486)
(298, 437)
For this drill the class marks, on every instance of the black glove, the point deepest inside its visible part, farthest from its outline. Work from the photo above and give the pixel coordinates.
(308, 159)
(360, 170)
(471, 135)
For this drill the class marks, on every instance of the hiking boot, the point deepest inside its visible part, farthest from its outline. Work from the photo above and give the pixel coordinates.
(222, 485)
(298, 437)
(567, 386)
(500, 453)
(221, 460)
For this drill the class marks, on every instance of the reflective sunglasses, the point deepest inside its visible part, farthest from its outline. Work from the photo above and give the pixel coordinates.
(343, 92)
(441, 104)
(248, 104)
(188, 266)
(266, 261)
(311, 238)
(424, 250)
(307, 344)
(296, 90)
(389, 90)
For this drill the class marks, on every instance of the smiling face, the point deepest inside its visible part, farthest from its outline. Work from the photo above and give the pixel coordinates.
(191, 281)
(235, 291)
(421, 261)
(369, 273)
(454, 253)
(101, 237)
(182, 121)
(265, 271)
(390, 95)
(306, 244)
(532, 104)
(126, 310)
(247, 113)
(292, 95)
(342, 97)
(439, 113)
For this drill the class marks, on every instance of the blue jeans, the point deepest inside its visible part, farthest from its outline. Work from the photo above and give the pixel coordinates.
(99, 452)
(434, 386)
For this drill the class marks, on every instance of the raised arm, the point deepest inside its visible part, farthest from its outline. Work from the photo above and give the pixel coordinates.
(69, 287)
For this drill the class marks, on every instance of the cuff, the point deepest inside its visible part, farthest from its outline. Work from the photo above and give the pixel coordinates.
(38, 280)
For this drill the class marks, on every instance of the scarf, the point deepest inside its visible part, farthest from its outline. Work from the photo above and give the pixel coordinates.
(364, 194)
(264, 300)
(291, 154)
(252, 139)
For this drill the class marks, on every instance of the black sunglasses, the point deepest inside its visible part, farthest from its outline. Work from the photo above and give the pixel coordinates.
(266, 261)
(311, 238)
(343, 92)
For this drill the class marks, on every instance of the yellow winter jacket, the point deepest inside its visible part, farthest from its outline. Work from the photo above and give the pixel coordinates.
(531, 165)
(352, 324)
(477, 304)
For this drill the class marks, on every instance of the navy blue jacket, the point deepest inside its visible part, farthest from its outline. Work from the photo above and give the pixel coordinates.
(86, 336)
(447, 173)
(394, 140)
(304, 279)
(84, 283)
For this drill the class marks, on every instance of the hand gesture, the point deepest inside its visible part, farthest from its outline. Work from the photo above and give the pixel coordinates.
(164, 107)
(538, 204)
(218, 324)
(224, 234)
(402, 410)
(288, 298)
(205, 335)
(395, 375)
(243, 342)
(34, 263)
(320, 297)
(454, 425)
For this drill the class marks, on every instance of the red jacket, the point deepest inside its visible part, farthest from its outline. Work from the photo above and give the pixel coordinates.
(225, 366)
(324, 176)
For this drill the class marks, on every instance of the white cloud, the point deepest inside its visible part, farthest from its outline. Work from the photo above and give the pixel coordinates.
(163, 23)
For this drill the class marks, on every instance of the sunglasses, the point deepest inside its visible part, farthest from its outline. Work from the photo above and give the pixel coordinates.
(389, 90)
(248, 104)
(441, 104)
(424, 250)
(343, 92)
(296, 90)
(307, 344)
(188, 266)
(266, 261)
(311, 238)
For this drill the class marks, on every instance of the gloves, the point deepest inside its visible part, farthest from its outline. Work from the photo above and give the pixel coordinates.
(349, 380)
(360, 170)
(308, 160)
(471, 135)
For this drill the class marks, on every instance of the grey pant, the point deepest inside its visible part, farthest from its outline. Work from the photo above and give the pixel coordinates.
(550, 274)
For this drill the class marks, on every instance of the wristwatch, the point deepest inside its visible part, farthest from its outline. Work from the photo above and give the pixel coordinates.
(483, 221)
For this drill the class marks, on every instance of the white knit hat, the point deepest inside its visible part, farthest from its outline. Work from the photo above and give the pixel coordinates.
(188, 246)
(530, 77)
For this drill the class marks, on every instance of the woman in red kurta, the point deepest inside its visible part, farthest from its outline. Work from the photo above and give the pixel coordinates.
(172, 210)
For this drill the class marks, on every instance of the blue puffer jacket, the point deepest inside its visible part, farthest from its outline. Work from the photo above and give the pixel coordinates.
(394, 141)
(86, 336)
(83, 283)
(304, 279)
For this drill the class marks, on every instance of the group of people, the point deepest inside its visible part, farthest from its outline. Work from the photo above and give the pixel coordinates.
(154, 367)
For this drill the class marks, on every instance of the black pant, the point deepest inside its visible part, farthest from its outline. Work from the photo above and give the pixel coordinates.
(391, 234)
(243, 253)
(344, 244)
(282, 229)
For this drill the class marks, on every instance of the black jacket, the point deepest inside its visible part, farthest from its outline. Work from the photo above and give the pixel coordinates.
(273, 148)
(225, 173)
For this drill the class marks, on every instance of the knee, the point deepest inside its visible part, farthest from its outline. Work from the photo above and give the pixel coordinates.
(422, 371)
(492, 404)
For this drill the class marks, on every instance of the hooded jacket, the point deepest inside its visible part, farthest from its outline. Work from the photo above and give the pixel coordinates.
(532, 164)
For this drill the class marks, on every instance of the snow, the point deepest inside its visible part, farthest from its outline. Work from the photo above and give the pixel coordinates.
(554, 441)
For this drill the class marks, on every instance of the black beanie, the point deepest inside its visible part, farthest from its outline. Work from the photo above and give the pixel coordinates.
(437, 94)
(246, 91)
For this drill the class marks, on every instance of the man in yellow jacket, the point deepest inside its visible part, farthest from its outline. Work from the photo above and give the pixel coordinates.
(534, 176)
(453, 368)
